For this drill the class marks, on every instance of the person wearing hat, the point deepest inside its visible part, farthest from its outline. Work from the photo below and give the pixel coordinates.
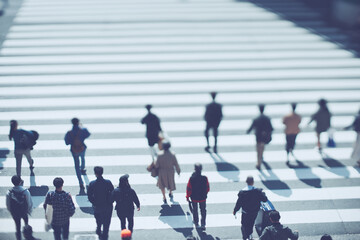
(23, 143)
(125, 234)
(197, 189)
(249, 200)
(99, 194)
(125, 198)
(153, 129)
(323, 120)
(277, 231)
(166, 163)
(213, 116)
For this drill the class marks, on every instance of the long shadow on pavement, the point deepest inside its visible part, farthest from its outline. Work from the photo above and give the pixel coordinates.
(272, 182)
(303, 170)
(224, 168)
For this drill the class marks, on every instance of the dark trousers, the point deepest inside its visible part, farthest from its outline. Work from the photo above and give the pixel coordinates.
(130, 218)
(247, 224)
(61, 230)
(215, 132)
(103, 218)
(290, 142)
(17, 220)
(202, 212)
(78, 167)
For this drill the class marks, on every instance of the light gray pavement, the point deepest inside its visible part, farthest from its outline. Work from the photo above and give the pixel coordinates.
(103, 61)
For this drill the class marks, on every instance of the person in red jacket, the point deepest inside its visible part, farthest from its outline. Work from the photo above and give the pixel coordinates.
(197, 189)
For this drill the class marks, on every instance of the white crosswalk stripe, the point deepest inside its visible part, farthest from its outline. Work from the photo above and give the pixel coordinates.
(102, 61)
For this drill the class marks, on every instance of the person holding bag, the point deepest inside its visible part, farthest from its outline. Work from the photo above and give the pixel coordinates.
(166, 163)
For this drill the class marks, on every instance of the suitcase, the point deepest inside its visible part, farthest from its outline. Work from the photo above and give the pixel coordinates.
(263, 219)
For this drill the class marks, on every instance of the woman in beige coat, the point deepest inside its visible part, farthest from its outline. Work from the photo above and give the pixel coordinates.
(166, 163)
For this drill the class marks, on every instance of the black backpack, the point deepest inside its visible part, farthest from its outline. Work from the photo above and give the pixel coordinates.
(18, 202)
(28, 139)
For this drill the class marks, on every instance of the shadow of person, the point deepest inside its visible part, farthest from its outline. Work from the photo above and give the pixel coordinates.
(176, 218)
(334, 166)
(303, 170)
(224, 168)
(272, 182)
(3, 155)
(37, 191)
(204, 236)
(83, 202)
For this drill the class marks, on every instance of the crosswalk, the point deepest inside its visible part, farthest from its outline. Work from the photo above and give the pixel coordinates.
(102, 61)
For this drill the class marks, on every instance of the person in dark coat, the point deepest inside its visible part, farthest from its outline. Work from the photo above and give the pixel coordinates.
(277, 231)
(213, 116)
(263, 130)
(99, 194)
(153, 129)
(125, 198)
(323, 120)
(249, 201)
(75, 138)
(197, 189)
(23, 142)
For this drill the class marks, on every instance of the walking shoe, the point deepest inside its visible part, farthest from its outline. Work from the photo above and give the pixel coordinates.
(257, 167)
(171, 195)
(164, 200)
(31, 168)
(207, 149)
(83, 171)
(203, 228)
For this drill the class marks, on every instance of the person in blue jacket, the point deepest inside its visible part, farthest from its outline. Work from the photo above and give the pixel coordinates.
(75, 138)
(24, 142)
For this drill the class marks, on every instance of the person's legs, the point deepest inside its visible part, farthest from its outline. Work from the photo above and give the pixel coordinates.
(287, 147)
(203, 213)
(130, 218)
(106, 223)
(122, 220)
(215, 131)
(29, 159)
(318, 140)
(65, 230)
(17, 221)
(18, 156)
(57, 231)
(163, 193)
(82, 156)
(260, 146)
(99, 221)
(77, 168)
(207, 136)
(195, 213)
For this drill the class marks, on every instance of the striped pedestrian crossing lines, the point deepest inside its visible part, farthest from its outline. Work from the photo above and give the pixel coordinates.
(102, 62)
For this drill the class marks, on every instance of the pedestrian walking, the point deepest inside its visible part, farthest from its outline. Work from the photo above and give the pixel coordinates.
(125, 198)
(28, 233)
(263, 131)
(322, 118)
(24, 142)
(249, 201)
(19, 204)
(277, 231)
(356, 127)
(167, 163)
(213, 117)
(75, 138)
(99, 194)
(197, 190)
(153, 129)
(291, 122)
(326, 237)
(63, 209)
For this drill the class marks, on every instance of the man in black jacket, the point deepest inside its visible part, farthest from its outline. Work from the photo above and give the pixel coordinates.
(277, 231)
(249, 201)
(99, 194)
(153, 129)
(213, 116)
(263, 130)
(197, 189)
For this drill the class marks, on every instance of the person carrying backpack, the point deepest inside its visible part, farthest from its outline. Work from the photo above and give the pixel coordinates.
(24, 142)
(277, 231)
(75, 138)
(19, 204)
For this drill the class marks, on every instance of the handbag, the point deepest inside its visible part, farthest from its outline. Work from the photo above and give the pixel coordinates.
(152, 169)
(48, 216)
